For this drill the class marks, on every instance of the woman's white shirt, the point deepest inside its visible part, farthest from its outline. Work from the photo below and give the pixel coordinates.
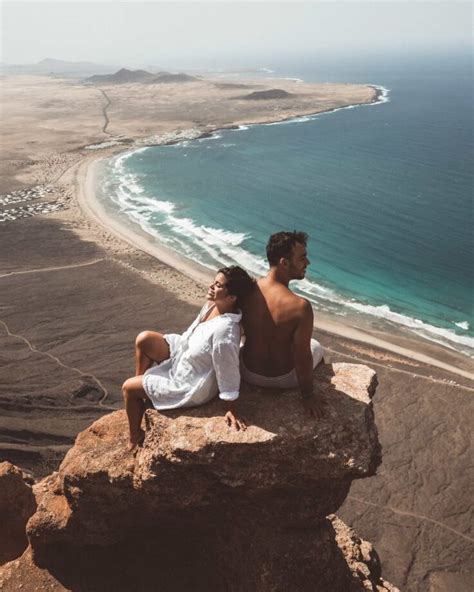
(204, 361)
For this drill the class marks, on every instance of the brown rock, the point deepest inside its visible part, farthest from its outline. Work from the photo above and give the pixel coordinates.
(284, 465)
(329, 558)
(203, 507)
(361, 558)
(209, 508)
(353, 567)
(17, 504)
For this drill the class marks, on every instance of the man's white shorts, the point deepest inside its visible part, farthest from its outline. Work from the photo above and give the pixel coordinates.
(285, 380)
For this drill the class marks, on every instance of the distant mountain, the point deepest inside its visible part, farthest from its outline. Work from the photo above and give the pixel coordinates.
(164, 77)
(125, 76)
(273, 93)
(52, 67)
(122, 76)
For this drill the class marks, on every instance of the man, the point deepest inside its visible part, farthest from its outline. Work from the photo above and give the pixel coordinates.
(278, 350)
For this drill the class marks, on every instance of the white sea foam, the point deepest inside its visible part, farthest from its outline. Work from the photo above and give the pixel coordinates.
(121, 159)
(211, 236)
(211, 240)
(139, 150)
(221, 246)
(129, 194)
(155, 205)
(131, 183)
(463, 325)
(130, 199)
(213, 136)
(383, 98)
(438, 334)
(142, 204)
(291, 78)
(300, 119)
(319, 291)
(194, 233)
(253, 264)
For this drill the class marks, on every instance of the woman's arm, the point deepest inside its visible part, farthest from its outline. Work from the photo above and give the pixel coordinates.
(225, 360)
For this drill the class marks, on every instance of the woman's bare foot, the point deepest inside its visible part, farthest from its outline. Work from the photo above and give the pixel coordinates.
(136, 440)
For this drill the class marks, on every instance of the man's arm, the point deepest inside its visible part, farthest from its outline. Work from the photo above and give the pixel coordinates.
(304, 360)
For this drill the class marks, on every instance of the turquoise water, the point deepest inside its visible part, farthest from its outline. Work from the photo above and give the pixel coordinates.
(384, 191)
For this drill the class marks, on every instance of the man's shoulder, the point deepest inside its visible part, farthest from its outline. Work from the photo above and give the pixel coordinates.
(302, 306)
(282, 293)
(299, 303)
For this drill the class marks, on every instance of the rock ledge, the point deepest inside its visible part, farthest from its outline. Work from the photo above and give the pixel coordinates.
(203, 507)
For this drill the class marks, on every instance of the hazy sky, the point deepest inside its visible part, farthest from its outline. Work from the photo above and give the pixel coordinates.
(225, 33)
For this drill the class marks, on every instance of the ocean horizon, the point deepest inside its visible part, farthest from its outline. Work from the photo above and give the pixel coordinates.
(384, 192)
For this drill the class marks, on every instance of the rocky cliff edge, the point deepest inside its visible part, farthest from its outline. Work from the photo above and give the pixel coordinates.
(203, 507)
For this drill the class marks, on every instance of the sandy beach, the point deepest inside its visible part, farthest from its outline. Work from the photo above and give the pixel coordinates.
(78, 285)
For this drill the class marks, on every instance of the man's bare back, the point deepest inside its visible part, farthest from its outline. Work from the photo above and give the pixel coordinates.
(279, 351)
(271, 315)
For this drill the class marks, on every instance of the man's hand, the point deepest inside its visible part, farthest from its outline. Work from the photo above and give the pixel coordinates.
(314, 406)
(235, 422)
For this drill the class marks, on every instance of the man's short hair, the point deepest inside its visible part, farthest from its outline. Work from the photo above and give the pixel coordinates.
(281, 244)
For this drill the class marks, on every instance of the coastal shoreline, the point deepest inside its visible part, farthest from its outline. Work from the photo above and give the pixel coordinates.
(409, 346)
(178, 135)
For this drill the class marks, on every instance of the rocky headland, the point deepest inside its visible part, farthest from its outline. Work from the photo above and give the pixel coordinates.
(204, 507)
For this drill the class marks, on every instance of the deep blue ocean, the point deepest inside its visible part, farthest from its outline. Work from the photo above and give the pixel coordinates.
(384, 192)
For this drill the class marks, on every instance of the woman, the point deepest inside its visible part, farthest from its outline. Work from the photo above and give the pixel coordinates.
(193, 367)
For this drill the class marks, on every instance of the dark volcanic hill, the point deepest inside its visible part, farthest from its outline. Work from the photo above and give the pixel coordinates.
(125, 76)
(163, 77)
(272, 93)
(122, 76)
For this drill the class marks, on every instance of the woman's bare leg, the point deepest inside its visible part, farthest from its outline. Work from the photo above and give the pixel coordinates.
(150, 347)
(134, 397)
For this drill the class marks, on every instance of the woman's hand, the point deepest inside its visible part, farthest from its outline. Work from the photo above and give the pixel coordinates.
(234, 421)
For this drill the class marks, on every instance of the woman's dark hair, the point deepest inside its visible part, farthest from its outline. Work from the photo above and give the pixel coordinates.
(281, 244)
(238, 282)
